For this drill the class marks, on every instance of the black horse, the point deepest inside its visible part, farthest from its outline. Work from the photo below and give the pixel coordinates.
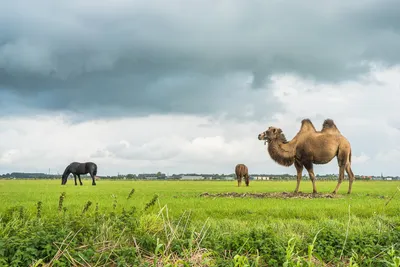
(77, 169)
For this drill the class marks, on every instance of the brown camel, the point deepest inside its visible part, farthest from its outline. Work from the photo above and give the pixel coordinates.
(242, 171)
(309, 147)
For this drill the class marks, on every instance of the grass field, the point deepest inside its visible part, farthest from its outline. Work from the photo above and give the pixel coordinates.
(369, 217)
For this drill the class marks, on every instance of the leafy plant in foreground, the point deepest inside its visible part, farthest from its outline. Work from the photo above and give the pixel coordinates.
(39, 209)
(141, 236)
(86, 207)
(131, 193)
(61, 201)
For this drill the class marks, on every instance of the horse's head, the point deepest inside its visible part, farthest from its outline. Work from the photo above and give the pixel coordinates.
(64, 179)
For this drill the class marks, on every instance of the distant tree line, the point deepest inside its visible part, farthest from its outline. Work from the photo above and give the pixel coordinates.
(163, 176)
(29, 175)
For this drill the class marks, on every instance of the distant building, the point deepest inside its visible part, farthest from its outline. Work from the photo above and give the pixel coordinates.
(192, 177)
(265, 178)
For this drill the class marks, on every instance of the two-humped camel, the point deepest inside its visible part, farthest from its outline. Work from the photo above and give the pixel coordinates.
(309, 147)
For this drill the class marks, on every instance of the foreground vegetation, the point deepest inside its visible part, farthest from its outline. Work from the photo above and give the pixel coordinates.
(161, 223)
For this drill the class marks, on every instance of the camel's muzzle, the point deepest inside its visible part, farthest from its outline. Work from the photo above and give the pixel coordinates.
(264, 137)
(266, 140)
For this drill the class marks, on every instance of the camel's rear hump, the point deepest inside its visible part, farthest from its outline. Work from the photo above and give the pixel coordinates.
(329, 125)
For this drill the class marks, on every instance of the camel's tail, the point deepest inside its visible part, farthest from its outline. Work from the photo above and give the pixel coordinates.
(351, 171)
(350, 157)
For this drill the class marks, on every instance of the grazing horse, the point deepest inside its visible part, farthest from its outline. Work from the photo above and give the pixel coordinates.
(242, 171)
(77, 169)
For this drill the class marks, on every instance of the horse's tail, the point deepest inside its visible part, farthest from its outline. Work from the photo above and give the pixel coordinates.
(94, 169)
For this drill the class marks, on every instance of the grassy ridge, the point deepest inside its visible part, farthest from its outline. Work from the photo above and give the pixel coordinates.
(240, 227)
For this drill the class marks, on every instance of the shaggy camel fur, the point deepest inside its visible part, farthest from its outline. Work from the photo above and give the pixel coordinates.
(309, 147)
(242, 171)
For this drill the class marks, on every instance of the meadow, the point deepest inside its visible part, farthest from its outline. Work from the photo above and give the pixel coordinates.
(168, 223)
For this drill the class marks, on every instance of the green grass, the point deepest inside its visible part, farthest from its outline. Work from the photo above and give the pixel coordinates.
(372, 211)
(366, 199)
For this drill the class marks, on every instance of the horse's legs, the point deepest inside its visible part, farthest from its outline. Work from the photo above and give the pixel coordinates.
(75, 178)
(299, 169)
(310, 170)
(239, 179)
(351, 176)
(93, 178)
(79, 177)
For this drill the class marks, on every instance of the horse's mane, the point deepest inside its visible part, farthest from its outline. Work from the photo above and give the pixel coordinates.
(65, 173)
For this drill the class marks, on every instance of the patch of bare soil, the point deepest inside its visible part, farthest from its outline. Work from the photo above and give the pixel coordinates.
(270, 195)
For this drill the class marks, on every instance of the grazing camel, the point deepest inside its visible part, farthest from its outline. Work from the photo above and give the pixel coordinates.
(309, 147)
(242, 171)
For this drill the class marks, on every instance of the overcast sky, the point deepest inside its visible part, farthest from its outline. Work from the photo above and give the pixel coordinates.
(186, 86)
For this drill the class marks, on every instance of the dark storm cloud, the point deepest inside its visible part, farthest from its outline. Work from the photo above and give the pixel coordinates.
(152, 57)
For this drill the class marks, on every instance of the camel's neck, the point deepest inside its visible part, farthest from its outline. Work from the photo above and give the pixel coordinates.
(282, 153)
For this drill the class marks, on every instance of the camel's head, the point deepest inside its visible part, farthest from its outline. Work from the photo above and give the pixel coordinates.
(270, 134)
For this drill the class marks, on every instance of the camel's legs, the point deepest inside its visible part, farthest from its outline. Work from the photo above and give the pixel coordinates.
(312, 177)
(75, 179)
(299, 169)
(79, 177)
(343, 161)
(340, 180)
(247, 178)
(351, 177)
